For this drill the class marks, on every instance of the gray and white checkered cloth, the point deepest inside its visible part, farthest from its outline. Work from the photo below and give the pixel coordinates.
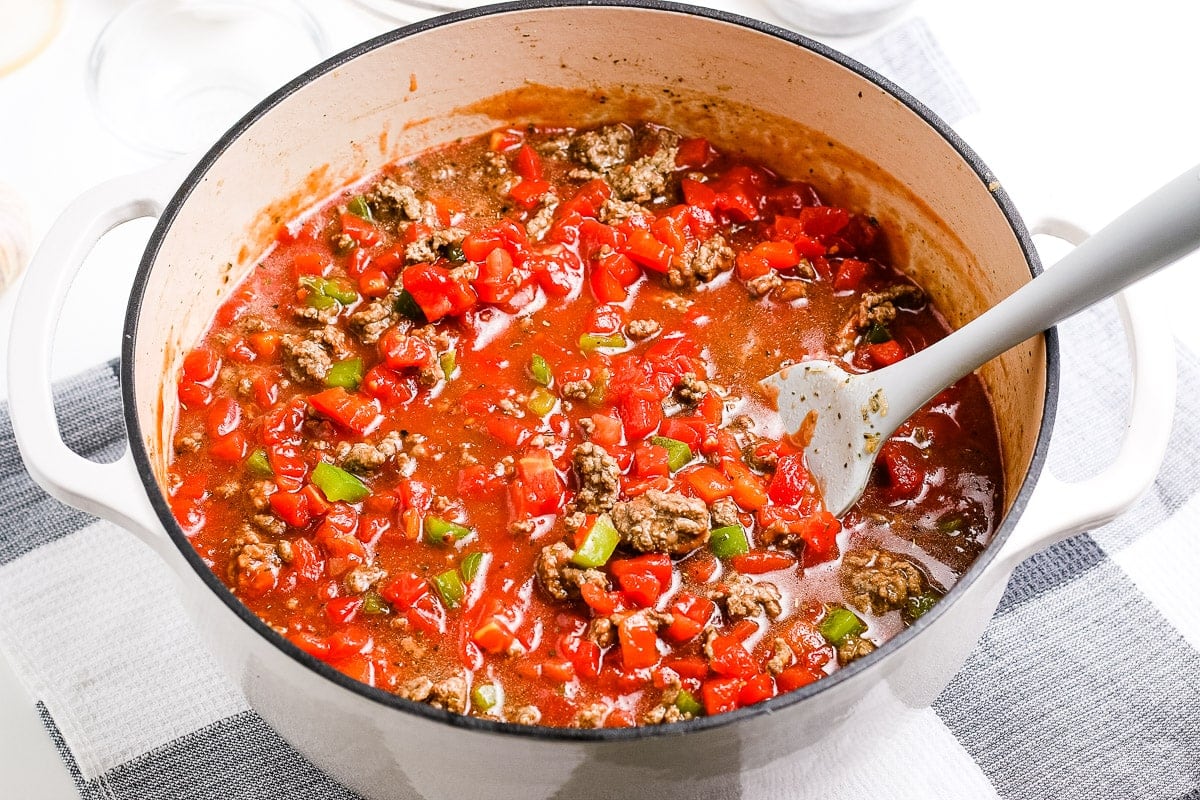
(1085, 685)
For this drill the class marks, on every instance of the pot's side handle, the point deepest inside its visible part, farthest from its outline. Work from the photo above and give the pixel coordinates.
(112, 491)
(1059, 509)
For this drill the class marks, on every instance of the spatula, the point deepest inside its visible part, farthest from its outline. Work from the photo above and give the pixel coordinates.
(856, 413)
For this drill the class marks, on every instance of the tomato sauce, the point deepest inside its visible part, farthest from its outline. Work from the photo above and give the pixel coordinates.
(484, 431)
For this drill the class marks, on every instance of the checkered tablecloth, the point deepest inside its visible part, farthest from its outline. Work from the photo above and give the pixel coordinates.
(1085, 685)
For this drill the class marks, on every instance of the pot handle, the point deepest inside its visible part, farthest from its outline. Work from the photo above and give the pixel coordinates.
(112, 491)
(1059, 509)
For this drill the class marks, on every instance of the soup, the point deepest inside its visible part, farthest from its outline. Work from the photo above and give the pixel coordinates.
(484, 431)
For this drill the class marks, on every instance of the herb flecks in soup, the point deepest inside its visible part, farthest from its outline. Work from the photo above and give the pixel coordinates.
(484, 432)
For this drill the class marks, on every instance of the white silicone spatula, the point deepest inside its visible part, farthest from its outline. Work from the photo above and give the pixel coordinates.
(856, 413)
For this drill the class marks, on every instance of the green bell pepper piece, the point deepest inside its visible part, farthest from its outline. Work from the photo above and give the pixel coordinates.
(450, 588)
(598, 545)
(348, 374)
(840, 623)
(728, 541)
(440, 530)
(678, 453)
(337, 484)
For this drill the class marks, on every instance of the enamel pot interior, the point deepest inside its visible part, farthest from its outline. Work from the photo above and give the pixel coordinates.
(748, 87)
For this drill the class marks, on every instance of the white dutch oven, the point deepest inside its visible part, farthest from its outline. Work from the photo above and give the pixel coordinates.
(744, 84)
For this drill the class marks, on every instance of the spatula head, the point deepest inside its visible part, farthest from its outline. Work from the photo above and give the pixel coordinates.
(838, 418)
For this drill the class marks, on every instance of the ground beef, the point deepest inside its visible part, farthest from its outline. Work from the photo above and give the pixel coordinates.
(852, 648)
(663, 522)
(370, 321)
(712, 257)
(305, 359)
(591, 716)
(429, 248)
(576, 390)
(540, 222)
(559, 577)
(646, 178)
(189, 443)
(363, 577)
(527, 715)
(758, 457)
(879, 308)
(690, 390)
(391, 200)
(877, 581)
(602, 631)
(250, 556)
(743, 597)
(614, 210)
(640, 329)
(260, 494)
(450, 694)
(599, 479)
(362, 457)
(788, 291)
(781, 657)
(763, 285)
(603, 148)
(269, 523)
(724, 512)
(665, 713)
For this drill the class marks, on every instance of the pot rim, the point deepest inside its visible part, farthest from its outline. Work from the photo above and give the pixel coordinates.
(773, 705)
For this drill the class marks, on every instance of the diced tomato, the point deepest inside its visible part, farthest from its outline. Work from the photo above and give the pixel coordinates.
(387, 386)
(505, 140)
(538, 488)
(756, 689)
(656, 564)
(587, 201)
(374, 283)
(360, 230)
(437, 292)
(341, 610)
(240, 351)
(760, 561)
(265, 343)
(819, 532)
(694, 153)
(606, 431)
(235, 306)
(307, 562)
(720, 695)
(708, 482)
(701, 565)
(310, 263)
(498, 279)
(583, 653)
(349, 641)
(790, 484)
(886, 353)
(224, 416)
(475, 482)
(640, 416)
(316, 646)
(399, 350)
(850, 274)
(528, 163)
(821, 222)
(528, 193)
(732, 659)
(792, 230)
(404, 590)
(508, 430)
(201, 365)
(689, 615)
(794, 677)
(291, 507)
(493, 636)
(790, 197)
(231, 448)
(305, 230)
(605, 318)
(556, 269)
(648, 251)
(650, 460)
(748, 489)
(641, 589)
(639, 644)
(598, 599)
(682, 430)
(428, 615)
(902, 468)
(350, 411)
(689, 668)
(357, 261)
(764, 257)
(605, 286)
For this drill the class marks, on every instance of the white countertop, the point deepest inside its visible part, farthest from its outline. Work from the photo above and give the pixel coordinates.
(1085, 109)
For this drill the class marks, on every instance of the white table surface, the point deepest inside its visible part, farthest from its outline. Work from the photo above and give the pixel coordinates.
(1085, 109)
